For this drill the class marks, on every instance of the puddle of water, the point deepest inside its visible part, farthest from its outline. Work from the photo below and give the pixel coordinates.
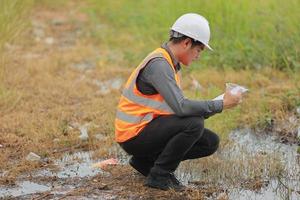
(287, 186)
(72, 165)
(105, 87)
(253, 144)
(77, 165)
(274, 191)
(84, 65)
(23, 188)
(249, 146)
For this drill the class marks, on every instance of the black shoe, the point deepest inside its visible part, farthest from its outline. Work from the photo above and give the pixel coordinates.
(142, 167)
(162, 182)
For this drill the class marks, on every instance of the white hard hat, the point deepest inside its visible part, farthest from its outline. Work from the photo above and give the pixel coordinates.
(194, 26)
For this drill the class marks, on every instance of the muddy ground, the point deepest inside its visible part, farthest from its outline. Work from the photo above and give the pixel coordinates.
(248, 168)
(123, 183)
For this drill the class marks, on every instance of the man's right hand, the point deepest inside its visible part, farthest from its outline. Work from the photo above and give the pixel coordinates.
(231, 100)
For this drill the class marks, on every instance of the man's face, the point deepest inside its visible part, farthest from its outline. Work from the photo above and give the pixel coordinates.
(189, 53)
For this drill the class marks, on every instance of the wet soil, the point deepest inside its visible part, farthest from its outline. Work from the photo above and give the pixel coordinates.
(72, 176)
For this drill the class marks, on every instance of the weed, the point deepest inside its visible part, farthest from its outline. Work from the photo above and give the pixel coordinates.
(11, 19)
(63, 127)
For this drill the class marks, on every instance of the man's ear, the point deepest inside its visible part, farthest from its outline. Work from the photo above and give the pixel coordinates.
(187, 43)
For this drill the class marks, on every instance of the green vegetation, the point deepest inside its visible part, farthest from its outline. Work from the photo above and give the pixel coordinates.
(245, 34)
(12, 23)
(11, 18)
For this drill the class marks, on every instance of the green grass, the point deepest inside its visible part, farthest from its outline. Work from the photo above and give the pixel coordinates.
(54, 4)
(245, 34)
(11, 19)
(12, 23)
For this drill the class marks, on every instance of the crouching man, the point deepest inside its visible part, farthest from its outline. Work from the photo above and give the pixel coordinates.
(155, 123)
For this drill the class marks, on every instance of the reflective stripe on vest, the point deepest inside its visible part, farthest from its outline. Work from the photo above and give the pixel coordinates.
(163, 106)
(135, 109)
(132, 118)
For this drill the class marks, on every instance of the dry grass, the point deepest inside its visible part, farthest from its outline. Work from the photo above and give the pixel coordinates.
(44, 94)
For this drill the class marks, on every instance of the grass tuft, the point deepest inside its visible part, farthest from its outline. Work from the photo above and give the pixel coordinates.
(12, 22)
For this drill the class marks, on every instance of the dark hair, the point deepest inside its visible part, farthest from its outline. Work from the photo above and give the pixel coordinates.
(176, 40)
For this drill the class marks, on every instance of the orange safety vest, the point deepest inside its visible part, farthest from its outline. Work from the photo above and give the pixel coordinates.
(136, 110)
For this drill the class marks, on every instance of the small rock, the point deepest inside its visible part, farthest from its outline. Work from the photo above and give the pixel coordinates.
(1, 145)
(298, 110)
(46, 160)
(58, 22)
(56, 140)
(116, 83)
(84, 65)
(100, 137)
(33, 157)
(83, 133)
(298, 133)
(104, 90)
(293, 119)
(5, 173)
(107, 86)
(38, 32)
(97, 82)
(49, 40)
(222, 196)
(73, 125)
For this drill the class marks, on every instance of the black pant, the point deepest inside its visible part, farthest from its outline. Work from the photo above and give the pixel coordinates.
(168, 140)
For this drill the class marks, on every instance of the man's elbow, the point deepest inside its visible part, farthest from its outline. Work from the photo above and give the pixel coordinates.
(180, 113)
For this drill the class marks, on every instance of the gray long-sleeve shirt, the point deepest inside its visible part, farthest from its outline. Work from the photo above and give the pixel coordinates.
(158, 77)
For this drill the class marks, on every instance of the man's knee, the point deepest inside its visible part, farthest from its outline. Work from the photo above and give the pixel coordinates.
(215, 141)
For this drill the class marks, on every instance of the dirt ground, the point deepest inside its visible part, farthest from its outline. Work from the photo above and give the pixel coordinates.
(122, 183)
